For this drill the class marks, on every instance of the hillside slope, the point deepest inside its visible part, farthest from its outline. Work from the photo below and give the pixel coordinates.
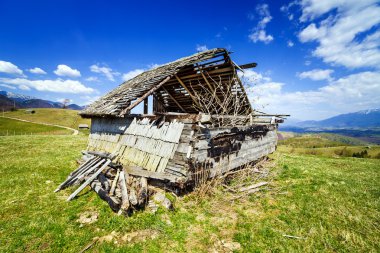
(63, 117)
(15, 127)
(313, 204)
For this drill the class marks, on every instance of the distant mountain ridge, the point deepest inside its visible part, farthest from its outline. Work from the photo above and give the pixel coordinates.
(9, 99)
(361, 119)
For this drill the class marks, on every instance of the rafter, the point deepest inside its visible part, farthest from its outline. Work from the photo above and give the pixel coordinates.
(188, 91)
(175, 101)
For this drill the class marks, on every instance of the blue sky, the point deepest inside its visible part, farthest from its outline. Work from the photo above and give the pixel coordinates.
(315, 58)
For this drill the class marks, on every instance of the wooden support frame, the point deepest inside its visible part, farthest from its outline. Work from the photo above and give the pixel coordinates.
(243, 89)
(138, 101)
(175, 101)
(188, 91)
(207, 82)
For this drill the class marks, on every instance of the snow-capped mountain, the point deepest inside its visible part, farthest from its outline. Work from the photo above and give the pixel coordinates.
(22, 101)
(16, 97)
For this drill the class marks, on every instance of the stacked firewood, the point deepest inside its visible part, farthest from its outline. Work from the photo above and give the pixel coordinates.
(122, 192)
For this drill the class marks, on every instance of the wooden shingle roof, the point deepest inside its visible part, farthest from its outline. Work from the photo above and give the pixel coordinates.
(118, 101)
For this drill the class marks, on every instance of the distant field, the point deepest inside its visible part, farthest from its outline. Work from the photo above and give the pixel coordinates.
(329, 145)
(371, 135)
(63, 117)
(15, 127)
(310, 141)
(328, 204)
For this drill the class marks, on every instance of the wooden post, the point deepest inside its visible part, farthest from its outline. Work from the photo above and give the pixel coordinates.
(132, 194)
(114, 183)
(143, 192)
(146, 106)
(124, 192)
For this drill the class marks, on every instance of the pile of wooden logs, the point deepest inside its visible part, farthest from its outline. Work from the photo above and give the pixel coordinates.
(111, 182)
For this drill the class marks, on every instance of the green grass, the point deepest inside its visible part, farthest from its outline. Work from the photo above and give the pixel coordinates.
(333, 204)
(15, 127)
(310, 141)
(63, 117)
(344, 139)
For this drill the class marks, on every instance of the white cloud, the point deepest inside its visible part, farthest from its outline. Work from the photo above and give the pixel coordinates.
(286, 9)
(37, 71)
(8, 86)
(346, 37)
(290, 43)
(201, 48)
(347, 94)
(9, 68)
(258, 33)
(58, 85)
(92, 79)
(106, 71)
(23, 87)
(64, 70)
(316, 74)
(89, 99)
(131, 74)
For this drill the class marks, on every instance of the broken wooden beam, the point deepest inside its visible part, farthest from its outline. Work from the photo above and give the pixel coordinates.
(112, 202)
(248, 65)
(247, 188)
(139, 171)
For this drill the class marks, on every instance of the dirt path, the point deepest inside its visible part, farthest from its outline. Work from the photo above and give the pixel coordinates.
(75, 132)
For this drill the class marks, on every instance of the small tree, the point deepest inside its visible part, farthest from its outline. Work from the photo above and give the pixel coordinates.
(65, 103)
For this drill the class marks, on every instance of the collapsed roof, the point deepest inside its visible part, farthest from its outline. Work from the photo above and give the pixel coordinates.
(176, 87)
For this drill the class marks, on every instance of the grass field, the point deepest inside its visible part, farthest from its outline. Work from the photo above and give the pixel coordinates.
(331, 204)
(63, 117)
(15, 127)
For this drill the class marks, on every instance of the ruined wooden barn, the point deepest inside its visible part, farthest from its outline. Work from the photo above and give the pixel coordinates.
(184, 138)
(202, 123)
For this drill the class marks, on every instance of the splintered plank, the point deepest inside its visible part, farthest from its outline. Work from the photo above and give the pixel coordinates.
(89, 180)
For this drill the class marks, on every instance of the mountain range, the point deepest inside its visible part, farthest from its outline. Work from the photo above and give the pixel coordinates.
(361, 119)
(9, 100)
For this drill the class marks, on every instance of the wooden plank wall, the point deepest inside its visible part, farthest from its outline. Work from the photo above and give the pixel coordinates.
(219, 150)
(137, 142)
(179, 164)
(183, 149)
(106, 132)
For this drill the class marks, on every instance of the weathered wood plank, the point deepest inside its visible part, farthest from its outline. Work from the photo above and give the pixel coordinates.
(138, 171)
(88, 181)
